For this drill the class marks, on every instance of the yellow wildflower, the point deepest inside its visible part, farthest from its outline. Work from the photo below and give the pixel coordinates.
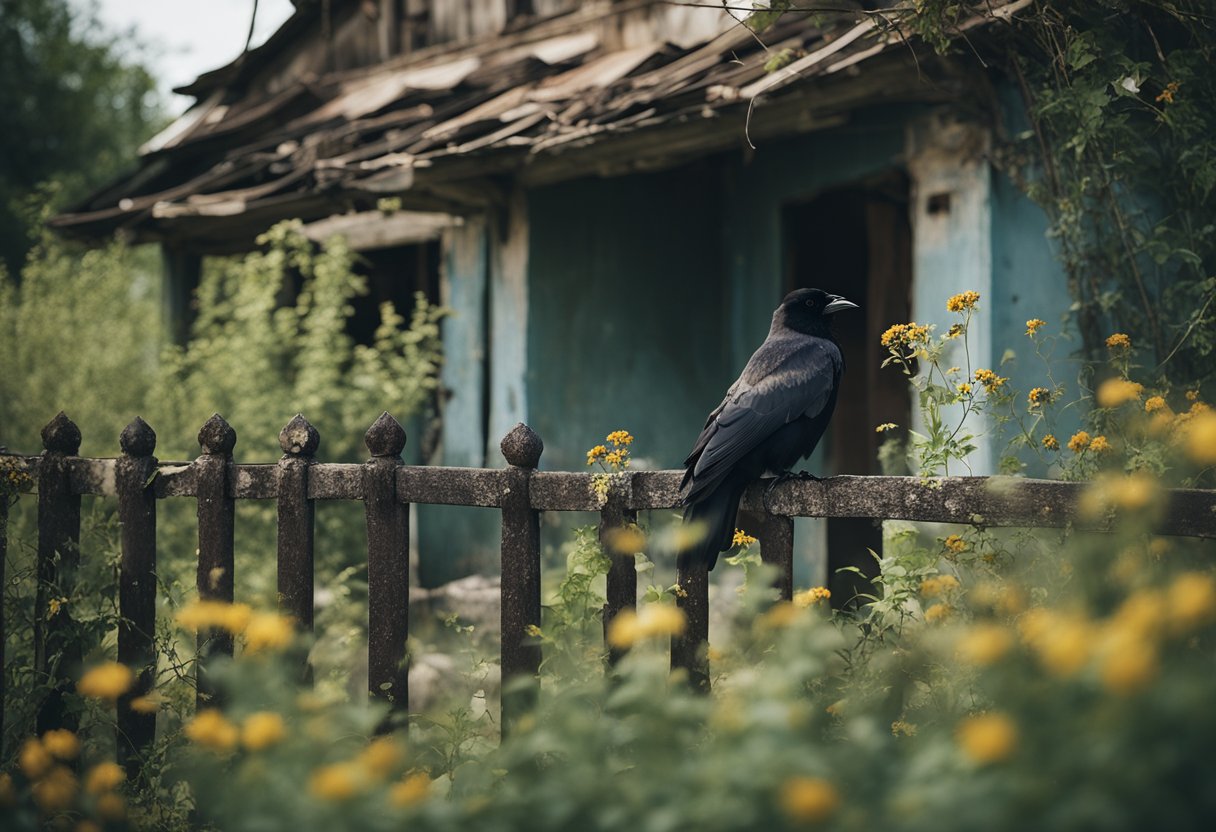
(1116, 391)
(962, 302)
(938, 585)
(268, 631)
(780, 615)
(1141, 615)
(620, 437)
(615, 458)
(1062, 641)
(340, 781)
(595, 453)
(885, 426)
(626, 540)
(1118, 342)
(1099, 444)
(146, 704)
(104, 777)
(1130, 664)
(1192, 395)
(1006, 599)
(112, 807)
(55, 792)
(905, 335)
(955, 331)
(34, 759)
(964, 388)
(629, 627)
(991, 381)
(984, 644)
(955, 545)
(1191, 601)
(206, 615)
(903, 728)
(1135, 491)
(61, 743)
(1154, 403)
(106, 681)
(262, 729)
(53, 607)
(1079, 442)
(1050, 442)
(409, 791)
(809, 799)
(812, 596)
(1034, 325)
(1166, 96)
(212, 730)
(532, 631)
(742, 538)
(1038, 396)
(988, 738)
(381, 756)
(953, 370)
(938, 613)
(1201, 438)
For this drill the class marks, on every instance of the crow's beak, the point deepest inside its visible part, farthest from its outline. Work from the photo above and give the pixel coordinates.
(837, 304)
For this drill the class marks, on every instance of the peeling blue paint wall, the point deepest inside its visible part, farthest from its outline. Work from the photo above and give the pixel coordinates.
(627, 321)
(1029, 282)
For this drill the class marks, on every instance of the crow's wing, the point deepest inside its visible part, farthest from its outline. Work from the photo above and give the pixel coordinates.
(769, 394)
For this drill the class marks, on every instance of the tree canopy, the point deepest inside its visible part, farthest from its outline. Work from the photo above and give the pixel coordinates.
(75, 103)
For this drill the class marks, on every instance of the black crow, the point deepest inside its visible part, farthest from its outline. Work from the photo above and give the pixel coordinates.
(771, 417)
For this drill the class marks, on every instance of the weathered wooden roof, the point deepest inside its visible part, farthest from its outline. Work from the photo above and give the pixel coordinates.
(560, 99)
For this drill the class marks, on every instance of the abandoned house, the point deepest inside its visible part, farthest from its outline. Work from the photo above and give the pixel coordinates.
(611, 197)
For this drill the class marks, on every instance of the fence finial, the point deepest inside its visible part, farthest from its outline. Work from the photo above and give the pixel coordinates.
(522, 447)
(216, 436)
(385, 437)
(137, 438)
(299, 437)
(61, 435)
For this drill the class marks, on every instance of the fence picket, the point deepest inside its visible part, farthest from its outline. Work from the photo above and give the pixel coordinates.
(388, 565)
(216, 538)
(622, 582)
(776, 535)
(689, 650)
(57, 656)
(299, 441)
(520, 654)
(135, 470)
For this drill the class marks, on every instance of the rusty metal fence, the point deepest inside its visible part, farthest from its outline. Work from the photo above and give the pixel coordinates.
(386, 487)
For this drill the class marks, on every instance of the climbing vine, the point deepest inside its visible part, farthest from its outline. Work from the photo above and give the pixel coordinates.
(1116, 141)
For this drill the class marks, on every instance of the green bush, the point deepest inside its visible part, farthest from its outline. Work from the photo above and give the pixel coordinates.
(81, 332)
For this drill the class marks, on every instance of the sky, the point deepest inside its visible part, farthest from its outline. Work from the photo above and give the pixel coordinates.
(182, 39)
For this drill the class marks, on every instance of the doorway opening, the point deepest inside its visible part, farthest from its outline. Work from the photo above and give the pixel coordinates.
(856, 241)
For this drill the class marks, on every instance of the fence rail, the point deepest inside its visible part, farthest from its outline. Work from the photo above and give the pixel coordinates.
(386, 487)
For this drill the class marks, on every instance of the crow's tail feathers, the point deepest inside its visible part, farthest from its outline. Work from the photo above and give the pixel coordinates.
(710, 526)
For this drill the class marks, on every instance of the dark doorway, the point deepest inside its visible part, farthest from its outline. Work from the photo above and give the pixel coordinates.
(396, 275)
(856, 242)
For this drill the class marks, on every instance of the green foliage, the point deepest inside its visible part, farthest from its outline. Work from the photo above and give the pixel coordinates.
(1123, 104)
(81, 332)
(76, 102)
(256, 360)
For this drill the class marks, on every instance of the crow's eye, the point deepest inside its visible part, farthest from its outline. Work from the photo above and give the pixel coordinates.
(811, 303)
